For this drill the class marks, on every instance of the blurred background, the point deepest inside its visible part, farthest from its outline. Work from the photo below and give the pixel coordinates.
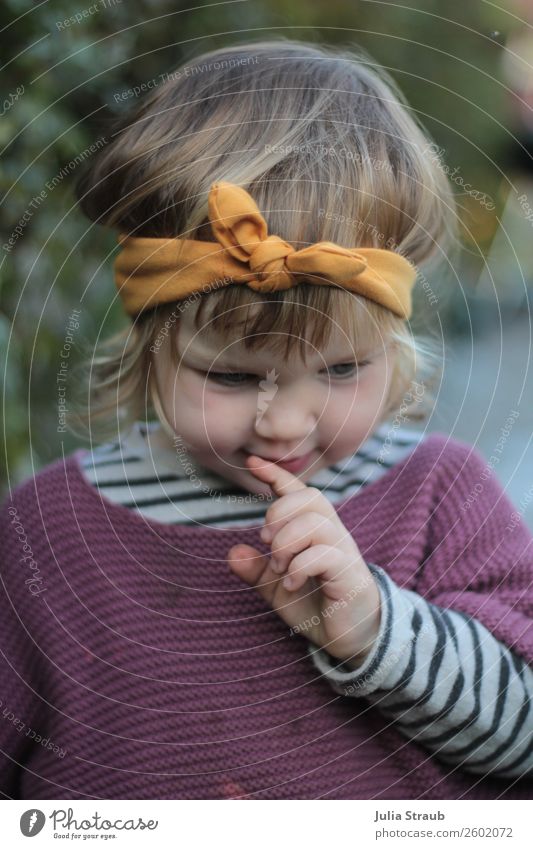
(466, 70)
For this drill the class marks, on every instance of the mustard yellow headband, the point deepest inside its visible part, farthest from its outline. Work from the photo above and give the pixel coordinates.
(151, 271)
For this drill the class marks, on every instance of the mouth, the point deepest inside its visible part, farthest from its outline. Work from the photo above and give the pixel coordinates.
(296, 464)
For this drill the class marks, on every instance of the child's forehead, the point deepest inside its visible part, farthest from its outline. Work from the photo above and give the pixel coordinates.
(229, 348)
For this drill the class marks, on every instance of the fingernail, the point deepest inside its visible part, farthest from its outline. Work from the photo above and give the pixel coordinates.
(287, 582)
(266, 534)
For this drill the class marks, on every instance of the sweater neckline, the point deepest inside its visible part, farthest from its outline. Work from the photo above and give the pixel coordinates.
(124, 515)
(118, 514)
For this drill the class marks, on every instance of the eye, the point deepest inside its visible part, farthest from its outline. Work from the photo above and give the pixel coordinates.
(230, 378)
(346, 370)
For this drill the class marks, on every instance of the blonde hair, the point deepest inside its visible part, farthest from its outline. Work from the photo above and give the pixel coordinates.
(325, 144)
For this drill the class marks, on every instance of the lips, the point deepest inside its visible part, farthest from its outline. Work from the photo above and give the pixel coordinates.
(296, 464)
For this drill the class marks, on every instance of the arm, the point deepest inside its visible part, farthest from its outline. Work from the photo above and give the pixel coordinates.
(446, 682)
(20, 705)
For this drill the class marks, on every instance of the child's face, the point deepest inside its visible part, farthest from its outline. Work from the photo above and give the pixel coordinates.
(225, 402)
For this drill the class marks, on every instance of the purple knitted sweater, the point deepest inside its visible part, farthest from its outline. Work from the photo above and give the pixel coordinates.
(134, 664)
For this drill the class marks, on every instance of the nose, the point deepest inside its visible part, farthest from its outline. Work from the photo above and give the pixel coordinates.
(286, 415)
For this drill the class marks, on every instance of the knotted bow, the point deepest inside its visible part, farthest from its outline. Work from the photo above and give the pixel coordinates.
(242, 231)
(150, 271)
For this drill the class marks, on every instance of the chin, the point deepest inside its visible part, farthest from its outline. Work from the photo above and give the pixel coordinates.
(240, 477)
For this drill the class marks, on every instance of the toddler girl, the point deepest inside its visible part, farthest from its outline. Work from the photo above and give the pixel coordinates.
(268, 587)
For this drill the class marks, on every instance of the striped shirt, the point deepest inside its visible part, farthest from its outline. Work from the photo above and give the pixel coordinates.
(147, 473)
(444, 680)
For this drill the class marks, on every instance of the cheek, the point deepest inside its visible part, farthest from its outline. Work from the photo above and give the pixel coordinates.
(353, 408)
(343, 416)
(209, 415)
(182, 402)
(191, 397)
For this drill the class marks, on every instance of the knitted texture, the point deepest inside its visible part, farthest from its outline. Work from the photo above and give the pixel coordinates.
(134, 664)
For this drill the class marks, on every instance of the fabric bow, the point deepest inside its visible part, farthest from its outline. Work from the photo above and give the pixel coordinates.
(242, 231)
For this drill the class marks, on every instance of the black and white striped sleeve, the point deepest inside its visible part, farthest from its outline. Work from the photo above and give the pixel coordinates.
(446, 682)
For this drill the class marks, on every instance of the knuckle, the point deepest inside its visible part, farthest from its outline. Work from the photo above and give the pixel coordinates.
(283, 539)
(271, 514)
(307, 521)
(320, 520)
(318, 499)
(289, 541)
(296, 567)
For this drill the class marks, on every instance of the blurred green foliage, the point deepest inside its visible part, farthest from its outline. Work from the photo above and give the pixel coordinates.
(68, 75)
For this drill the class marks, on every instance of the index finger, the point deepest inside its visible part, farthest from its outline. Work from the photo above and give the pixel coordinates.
(281, 480)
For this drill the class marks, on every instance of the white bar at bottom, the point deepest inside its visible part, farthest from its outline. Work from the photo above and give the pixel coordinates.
(309, 823)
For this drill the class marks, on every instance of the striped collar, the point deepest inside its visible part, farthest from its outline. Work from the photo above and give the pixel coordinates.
(145, 472)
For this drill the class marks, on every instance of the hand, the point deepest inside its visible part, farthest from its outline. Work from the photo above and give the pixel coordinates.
(316, 579)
